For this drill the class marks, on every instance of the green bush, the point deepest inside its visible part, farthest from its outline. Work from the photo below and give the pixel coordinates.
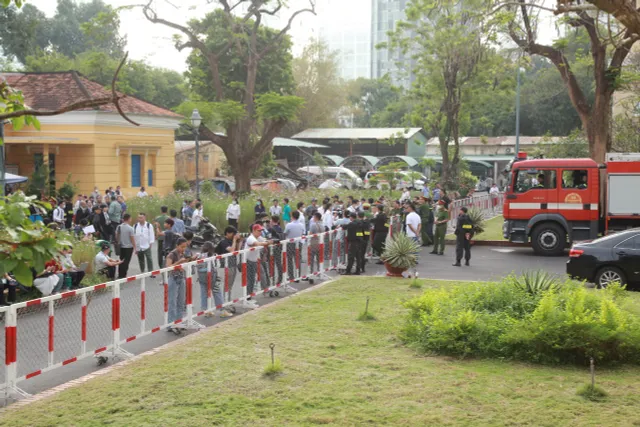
(564, 324)
(207, 188)
(181, 185)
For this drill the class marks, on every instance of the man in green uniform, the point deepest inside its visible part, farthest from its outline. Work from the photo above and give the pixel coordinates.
(464, 232)
(159, 224)
(442, 217)
(425, 213)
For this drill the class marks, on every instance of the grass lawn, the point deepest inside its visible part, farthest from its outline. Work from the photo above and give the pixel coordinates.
(336, 370)
(492, 231)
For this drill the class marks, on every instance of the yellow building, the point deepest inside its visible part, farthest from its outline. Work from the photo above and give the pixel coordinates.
(96, 146)
(211, 160)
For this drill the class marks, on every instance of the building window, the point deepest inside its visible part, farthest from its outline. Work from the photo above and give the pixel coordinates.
(150, 177)
(136, 165)
(205, 158)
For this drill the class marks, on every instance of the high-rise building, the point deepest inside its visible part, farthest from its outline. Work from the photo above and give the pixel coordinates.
(345, 26)
(385, 15)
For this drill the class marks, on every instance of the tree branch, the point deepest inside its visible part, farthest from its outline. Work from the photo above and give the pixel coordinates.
(91, 103)
(284, 31)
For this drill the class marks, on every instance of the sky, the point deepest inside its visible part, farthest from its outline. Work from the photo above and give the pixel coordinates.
(153, 42)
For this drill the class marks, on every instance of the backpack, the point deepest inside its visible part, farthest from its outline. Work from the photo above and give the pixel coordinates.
(135, 227)
(170, 240)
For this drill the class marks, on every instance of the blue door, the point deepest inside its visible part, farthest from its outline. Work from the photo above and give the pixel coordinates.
(135, 170)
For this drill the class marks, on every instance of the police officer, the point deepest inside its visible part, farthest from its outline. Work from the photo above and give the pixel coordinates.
(464, 231)
(442, 217)
(365, 229)
(380, 230)
(426, 217)
(353, 241)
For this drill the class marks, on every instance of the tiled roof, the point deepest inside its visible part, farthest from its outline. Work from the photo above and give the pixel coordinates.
(499, 140)
(51, 91)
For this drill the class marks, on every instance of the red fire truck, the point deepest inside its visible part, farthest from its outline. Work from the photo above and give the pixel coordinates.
(554, 202)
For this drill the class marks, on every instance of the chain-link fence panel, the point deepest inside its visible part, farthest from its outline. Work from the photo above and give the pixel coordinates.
(99, 332)
(67, 330)
(130, 307)
(32, 330)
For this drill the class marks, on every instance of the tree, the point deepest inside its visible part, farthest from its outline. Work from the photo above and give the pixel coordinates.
(318, 82)
(245, 77)
(75, 28)
(446, 42)
(609, 45)
(372, 101)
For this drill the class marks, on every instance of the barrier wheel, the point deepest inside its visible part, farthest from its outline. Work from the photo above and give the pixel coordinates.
(311, 281)
(232, 309)
(102, 360)
(271, 294)
(276, 293)
(177, 331)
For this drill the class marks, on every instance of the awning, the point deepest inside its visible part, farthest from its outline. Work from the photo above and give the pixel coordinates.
(10, 178)
(410, 161)
(373, 161)
(334, 160)
(286, 142)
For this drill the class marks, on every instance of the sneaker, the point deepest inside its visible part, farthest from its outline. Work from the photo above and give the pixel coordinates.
(249, 305)
(208, 314)
(290, 289)
(225, 313)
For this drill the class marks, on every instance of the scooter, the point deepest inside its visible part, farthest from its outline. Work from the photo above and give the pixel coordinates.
(206, 232)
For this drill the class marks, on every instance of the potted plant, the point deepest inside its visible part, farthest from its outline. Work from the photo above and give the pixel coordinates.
(400, 254)
(477, 221)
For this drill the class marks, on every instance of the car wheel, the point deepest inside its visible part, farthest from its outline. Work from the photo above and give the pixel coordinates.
(549, 239)
(609, 275)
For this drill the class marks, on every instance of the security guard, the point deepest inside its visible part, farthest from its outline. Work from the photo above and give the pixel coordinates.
(380, 230)
(425, 215)
(365, 238)
(353, 241)
(464, 232)
(442, 217)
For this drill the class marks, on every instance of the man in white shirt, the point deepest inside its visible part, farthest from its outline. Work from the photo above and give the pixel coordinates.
(413, 222)
(275, 210)
(406, 196)
(233, 213)
(58, 215)
(302, 219)
(198, 214)
(327, 217)
(142, 192)
(255, 240)
(144, 236)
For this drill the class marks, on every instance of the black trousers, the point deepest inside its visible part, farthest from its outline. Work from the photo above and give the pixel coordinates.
(125, 256)
(11, 286)
(233, 223)
(76, 278)
(379, 239)
(353, 256)
(463, 245)
(160, 249)
(293, 268)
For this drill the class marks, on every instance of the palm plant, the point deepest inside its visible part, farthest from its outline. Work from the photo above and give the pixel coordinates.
(477, 220)
(535, 282)
(401, 252)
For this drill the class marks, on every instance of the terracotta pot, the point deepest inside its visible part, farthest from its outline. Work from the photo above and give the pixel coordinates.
(394, 271)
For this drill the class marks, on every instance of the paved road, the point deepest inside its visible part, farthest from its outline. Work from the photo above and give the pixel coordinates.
(487, 264)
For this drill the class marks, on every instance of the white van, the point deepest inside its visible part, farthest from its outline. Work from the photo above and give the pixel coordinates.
(344, 176)
(401, 183)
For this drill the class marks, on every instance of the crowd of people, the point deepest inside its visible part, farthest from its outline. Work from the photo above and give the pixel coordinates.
(364, 223)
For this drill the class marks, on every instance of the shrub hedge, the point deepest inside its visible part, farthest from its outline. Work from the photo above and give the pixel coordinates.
(566, 324)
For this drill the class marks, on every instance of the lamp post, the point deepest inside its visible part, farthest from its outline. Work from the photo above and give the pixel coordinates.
(196, 120)
(518, 112)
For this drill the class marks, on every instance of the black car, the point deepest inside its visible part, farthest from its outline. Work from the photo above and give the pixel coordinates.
(609, 259)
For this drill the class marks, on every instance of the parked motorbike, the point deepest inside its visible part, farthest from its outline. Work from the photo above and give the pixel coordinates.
(206, 232)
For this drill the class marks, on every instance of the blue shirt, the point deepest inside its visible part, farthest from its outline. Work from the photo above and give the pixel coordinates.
(293, 230)
(426, 192)
(436, 194)
(178, 226)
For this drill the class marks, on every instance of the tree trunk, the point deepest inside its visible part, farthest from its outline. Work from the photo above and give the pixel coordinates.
(598, 126)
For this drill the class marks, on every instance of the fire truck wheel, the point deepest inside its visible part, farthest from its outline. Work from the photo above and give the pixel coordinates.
(548, 239)
(609, 275)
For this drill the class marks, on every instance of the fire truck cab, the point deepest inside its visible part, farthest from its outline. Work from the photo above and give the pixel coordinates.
(554, 202)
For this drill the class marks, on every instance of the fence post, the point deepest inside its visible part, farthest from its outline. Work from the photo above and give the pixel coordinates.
(189, 290)
(83, 323)
(115, 316)
(285, 274)
(210, 268)
(244, 276)
(11, 350)
(165, 279)
(51, 332)
(143, 303)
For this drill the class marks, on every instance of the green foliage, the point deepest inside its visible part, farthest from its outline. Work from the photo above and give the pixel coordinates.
(565, 325)
(415, 283)
(273, 369)
(274, 70)
(376, 102)
(401, 251)
(24, 244)
(535, 282)
(68, 189)
(207, 188)
(573, 146)
(594, 393)
(229, 111)
(12, 100)
(272, 106)
(181, 185)
(266, 168)
(476, 215)
(317, 81)
(365, 316)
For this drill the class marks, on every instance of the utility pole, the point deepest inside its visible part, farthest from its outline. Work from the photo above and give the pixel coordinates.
(196, 120)
(518, 113)
(2, 166)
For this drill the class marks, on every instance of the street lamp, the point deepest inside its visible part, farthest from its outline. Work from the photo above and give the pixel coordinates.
(520, 70)
(196, 120)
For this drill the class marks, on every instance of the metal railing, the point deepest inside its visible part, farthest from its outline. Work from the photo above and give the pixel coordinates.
(48, 333)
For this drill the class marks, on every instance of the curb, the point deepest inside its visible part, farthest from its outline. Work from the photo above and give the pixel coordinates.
(104, 371)
(500, 243)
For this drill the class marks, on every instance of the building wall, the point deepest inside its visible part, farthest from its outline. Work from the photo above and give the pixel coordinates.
(211, 159)
(97, 155)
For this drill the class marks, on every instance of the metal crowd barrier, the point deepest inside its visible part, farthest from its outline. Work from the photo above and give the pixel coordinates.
(48, 333)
